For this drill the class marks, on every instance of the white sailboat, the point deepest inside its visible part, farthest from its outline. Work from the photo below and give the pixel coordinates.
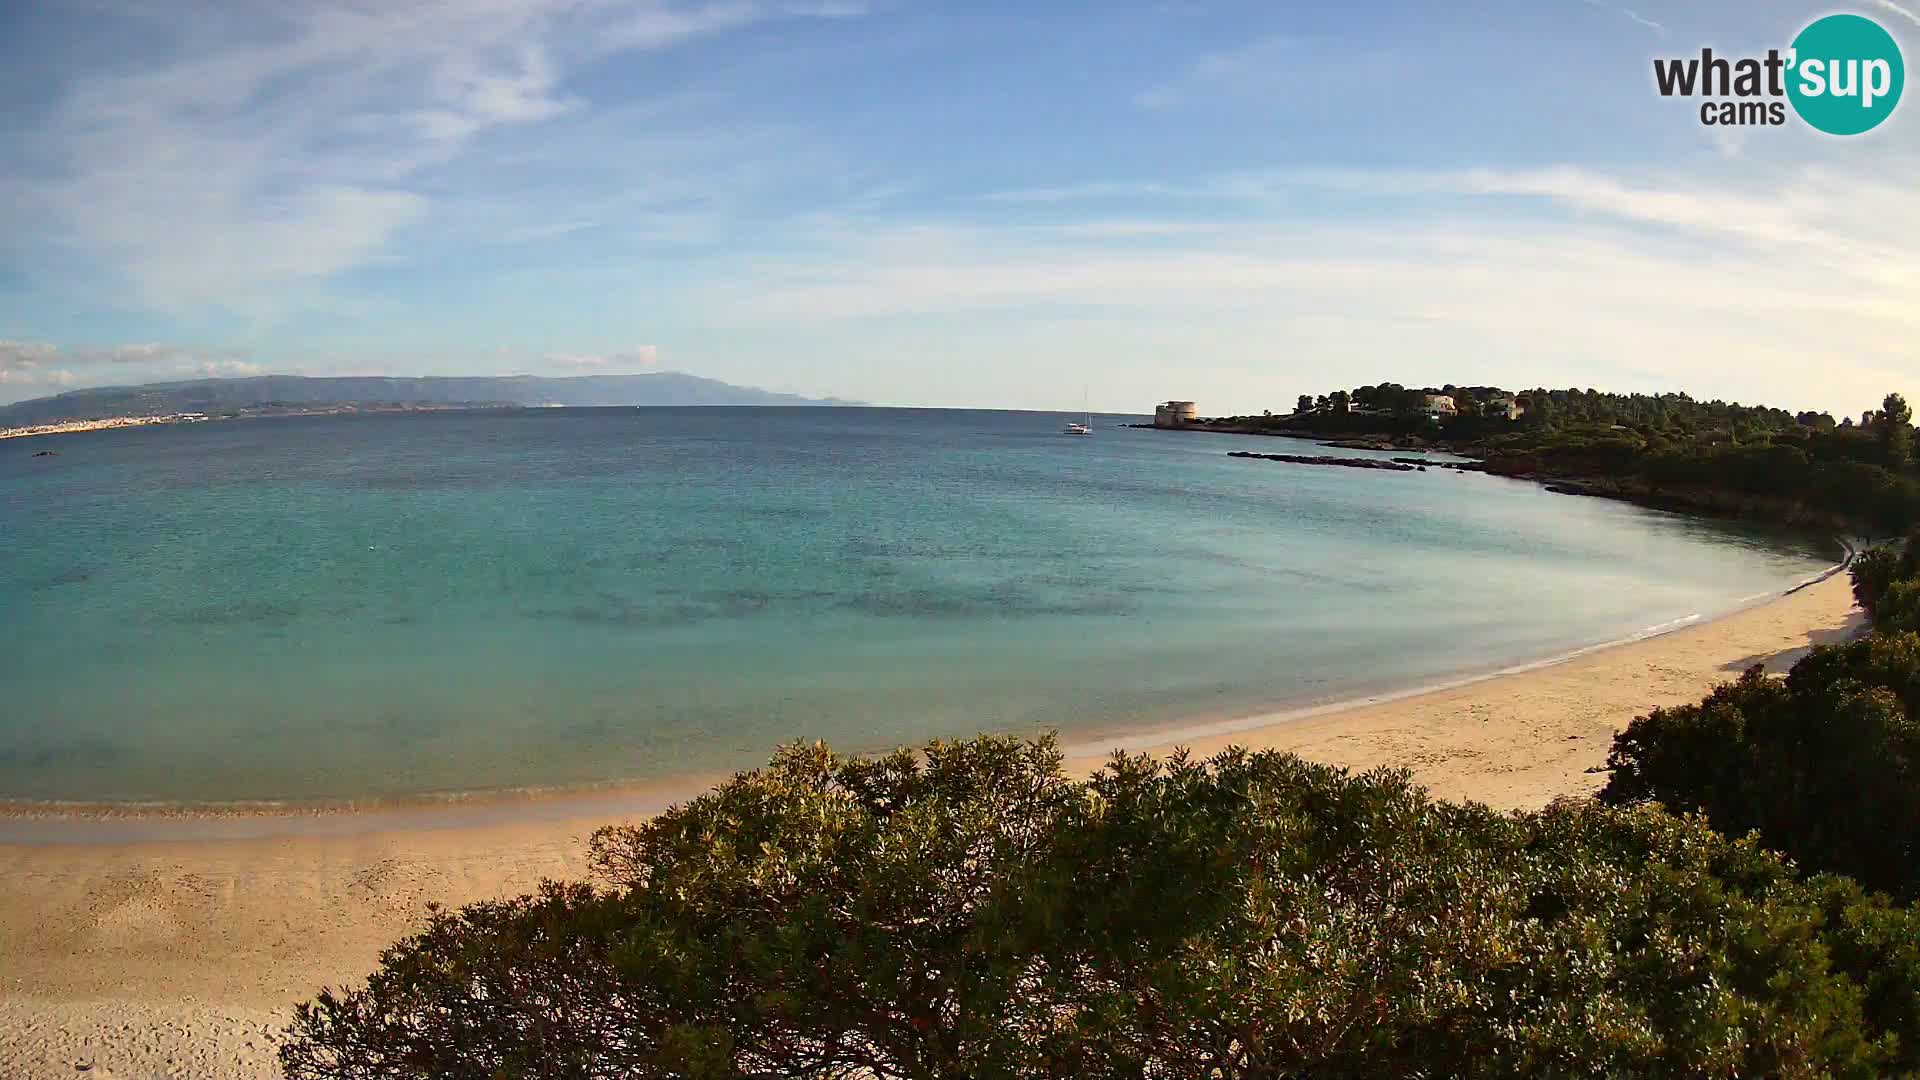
(1081, 429)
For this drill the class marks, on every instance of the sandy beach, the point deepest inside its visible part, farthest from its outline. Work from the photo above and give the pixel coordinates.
(180, 957)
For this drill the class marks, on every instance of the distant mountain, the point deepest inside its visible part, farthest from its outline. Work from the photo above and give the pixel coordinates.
(294, 393)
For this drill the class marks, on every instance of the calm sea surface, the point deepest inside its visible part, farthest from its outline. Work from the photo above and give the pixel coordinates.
(344, 607)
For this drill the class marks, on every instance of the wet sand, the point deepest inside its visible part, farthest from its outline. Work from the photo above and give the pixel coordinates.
(181, 956)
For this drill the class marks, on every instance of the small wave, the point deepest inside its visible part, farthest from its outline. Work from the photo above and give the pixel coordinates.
(1669, 626)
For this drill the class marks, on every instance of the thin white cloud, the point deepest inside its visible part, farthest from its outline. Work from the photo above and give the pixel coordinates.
(40, 378)
(1633, 16)
(640, 356)
(1077, 192)
(226, 369)
(1240, 70)
(1904, 12)
(1266, 71)
(531, 233)
(27, 367)
(31, 367)
(1552, 273)
(19, 354)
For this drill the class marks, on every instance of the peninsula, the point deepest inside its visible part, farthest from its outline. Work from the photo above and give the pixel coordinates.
(1670, 451)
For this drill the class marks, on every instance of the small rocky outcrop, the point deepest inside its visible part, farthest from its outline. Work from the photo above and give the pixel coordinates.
(1460, 466)
(1343, 462)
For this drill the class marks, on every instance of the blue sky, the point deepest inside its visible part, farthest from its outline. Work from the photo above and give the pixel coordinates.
(981, 204)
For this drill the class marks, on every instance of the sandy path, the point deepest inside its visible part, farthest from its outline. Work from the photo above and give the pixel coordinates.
(181, 958)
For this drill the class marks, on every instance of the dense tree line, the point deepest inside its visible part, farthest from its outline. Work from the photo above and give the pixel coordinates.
(970, 911)
(1709, 455)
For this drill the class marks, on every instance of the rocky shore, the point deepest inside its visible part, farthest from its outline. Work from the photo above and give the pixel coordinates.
(1343, 462)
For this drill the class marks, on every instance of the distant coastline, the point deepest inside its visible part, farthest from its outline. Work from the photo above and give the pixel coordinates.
(69, 427)
(296, 395)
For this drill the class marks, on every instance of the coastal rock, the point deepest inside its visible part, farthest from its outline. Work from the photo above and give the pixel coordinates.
(1347, 463)
(48, 453)
(1457, 466)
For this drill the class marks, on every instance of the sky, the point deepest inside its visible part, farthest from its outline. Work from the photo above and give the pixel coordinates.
(985, 204)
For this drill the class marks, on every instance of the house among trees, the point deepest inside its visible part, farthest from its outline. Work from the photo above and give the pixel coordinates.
(1503, 406)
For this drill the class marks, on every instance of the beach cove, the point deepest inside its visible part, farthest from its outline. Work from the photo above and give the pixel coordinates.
(379, 663)
(181, 957)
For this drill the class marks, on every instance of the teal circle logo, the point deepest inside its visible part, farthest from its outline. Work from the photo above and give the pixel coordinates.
(1846, 74)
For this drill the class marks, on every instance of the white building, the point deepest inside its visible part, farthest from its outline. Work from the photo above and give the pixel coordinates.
(1439, 405)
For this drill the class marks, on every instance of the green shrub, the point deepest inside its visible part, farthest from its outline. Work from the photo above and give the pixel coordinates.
(1889, 569)
(1825, 764)
(1898, 608)
(969, 911)
(1873, 570)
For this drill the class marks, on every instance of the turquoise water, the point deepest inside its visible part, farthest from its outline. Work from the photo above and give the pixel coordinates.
(375, 606)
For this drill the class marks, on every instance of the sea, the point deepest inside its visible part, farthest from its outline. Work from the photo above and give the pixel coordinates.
(355, 608)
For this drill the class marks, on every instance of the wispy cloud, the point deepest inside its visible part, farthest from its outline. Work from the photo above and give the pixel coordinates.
(640, 356)
(29, 367)
(257, 149)
(1558, 273)
(1637, 18)
(228, 369)
(1242, 69)
(1275, 68)
(1904, 12)
(26, 364)
(1077, 192)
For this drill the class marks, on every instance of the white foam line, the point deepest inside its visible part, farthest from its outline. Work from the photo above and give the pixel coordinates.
(1164, 736)
(1260, 720)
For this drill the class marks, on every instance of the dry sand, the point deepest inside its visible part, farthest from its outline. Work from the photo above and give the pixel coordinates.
(182, 957)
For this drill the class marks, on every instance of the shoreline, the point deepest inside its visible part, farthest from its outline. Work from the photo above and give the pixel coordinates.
(29, 822)
(184, 956)
(1543, 728)
(1161, 737)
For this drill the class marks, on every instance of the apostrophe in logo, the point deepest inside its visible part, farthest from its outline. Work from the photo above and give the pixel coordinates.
(1847, 74)
(1843, 75)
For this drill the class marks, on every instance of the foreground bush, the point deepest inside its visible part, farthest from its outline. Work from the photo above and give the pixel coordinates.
(1825, 764)
(1886, 582)
(970, 911)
